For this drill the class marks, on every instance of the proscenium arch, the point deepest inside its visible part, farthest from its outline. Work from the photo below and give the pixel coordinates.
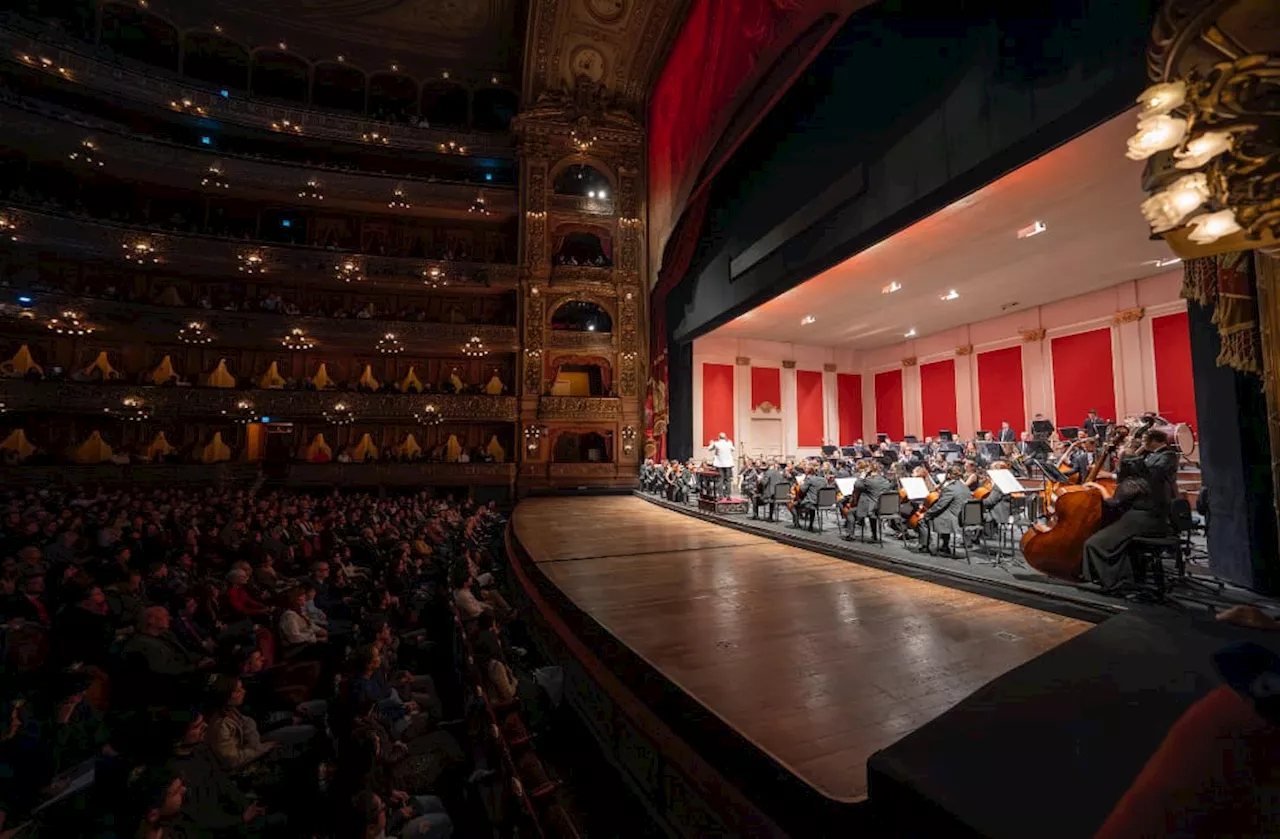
(610, 307)
(585, 160)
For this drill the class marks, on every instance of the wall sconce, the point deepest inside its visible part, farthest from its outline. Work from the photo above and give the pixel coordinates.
(141, 252)
(532, 438)
(194, 333)
(375, 137)
(186, 106)
(251, 263)
(69, 324)
(390, 345)
(629, 439)
(348, 271)
(339, 414)
(285, 125)
(452, 147)
(429, 416)
(297, 340)
(628, 356)
(474, 348)
(478, 206)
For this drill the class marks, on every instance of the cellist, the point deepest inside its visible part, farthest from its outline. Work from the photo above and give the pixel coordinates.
(943, 515)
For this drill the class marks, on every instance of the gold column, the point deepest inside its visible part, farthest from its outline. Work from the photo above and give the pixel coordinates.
(1267, 263)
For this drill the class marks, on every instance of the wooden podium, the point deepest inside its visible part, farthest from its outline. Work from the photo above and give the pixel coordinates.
(709, 500)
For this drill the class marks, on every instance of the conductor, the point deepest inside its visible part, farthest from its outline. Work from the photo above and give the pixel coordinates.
(722, 459)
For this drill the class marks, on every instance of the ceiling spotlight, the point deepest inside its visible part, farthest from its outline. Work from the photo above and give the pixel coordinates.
(1035, 228)
(951, 295)
(194, 333)
(297, 340)
(891, 287)
(910, 333)
(1007, 306)
(808, 319)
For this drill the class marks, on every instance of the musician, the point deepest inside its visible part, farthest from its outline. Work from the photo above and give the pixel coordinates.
(1006, 433)
(996, 506)
(972, 476)
(722, 456)
(1148, 480)
(1075, 461)
(869, 489)
(943, 515)
(750, 479)
(765, 488)
(1093, 426)
(807, 501)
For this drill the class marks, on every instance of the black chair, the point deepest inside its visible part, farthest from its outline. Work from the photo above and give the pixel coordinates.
(886, 508)
(970, 521)
(826, 502)
(781, 495)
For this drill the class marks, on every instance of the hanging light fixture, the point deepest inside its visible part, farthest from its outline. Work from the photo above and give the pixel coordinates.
(478, 206)
(251, 263)
(434, 277)
(474, 348)
(194, 333)
(339, 414)
(70, 324)
(375, 137)
(452, 147)
(132, 409)
(297, 340)
(348, 271)
(286, 126)
(243, 413)
(87, 154)
(8, 229)
(390, 345)
(399, 200)
(312, 191)
(582, 136)
(429, 416)
(141, 252)
(214, 178)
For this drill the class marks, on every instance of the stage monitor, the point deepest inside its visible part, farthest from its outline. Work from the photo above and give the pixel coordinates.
(945, 435)
(1069, 432)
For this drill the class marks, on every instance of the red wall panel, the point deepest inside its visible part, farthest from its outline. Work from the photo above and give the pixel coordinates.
(766, 386)
(938, 396)
(889, 411)
(809, 408)
(1175, 390)
(849, 407)
(1082, 377)
(717, 402)
(1000, 390)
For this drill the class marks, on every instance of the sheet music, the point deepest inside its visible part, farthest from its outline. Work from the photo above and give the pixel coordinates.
(1005, 480)
(845, 485)
(917, 489)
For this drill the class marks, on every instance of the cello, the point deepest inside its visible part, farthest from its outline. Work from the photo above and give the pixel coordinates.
(1056, 547)
(918, 515)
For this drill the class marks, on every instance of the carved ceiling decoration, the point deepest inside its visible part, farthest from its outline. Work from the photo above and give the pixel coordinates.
(617, 45)
(464, 37)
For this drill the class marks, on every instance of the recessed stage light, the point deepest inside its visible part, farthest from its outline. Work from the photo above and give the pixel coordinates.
(891, 287)
(1035, 228)
(910, 333)
(951, 295)
(808, 319)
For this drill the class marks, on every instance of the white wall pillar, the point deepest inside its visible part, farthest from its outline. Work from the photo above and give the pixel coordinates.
(742, 402)
(1037, 379)
(790, 433)
(830, 406)
(966, 395)
(1129, 371)
(868, 405)
(912, 404)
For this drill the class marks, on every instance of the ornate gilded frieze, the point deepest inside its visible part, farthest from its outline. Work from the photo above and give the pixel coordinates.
(629, 346)
(175, 403)
(599, 342)
(534, 314)
(582, 470)
(1128, 316)
(1032, 336)
(583, 276)
(579, 408)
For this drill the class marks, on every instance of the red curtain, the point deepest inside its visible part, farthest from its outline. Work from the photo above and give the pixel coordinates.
(1175, 388)
(766, 386)
(889, 412)
(810, 411)
(938, 396)
(717, 402)
(1082, 377)
(849, 406)
(1000, 390)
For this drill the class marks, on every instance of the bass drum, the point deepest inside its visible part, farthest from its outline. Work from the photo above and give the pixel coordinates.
(1184, 439)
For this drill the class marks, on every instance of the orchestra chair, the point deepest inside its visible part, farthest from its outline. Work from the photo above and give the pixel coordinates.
(826, 504)
(1148, 554)
(781, 495)
(971, 519)
(886, 510)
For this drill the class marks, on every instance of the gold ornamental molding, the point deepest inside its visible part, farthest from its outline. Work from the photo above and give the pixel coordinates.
(829, 367)
(789, 365)
(967, 349)
(579, 408)
(1129, 315)
(1031, 336)
(909, 362)
(742, 361)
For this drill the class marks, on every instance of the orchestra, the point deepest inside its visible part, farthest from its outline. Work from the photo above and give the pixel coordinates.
(1132, 488)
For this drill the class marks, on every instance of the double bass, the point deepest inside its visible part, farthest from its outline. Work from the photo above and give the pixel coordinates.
(1056, 546)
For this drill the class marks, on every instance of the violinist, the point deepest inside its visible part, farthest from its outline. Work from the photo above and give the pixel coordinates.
(806, 501)
(768, 480)
(869, 488)
(750, 479)
(943, 515)
(1147, 485)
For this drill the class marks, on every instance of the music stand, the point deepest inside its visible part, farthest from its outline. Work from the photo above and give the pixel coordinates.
(911, 438)
(882, 437)
(849, 451)
(1050, 472)
(945, 436)
(982, 435)
(1069, 432)
(828, 451)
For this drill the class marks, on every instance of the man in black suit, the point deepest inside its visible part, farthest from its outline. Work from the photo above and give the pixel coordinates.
(1093, 425)
(1147, 485)
(943, 515)
(771, 478)
(869, 490)
(1006, 433)
(807, 504)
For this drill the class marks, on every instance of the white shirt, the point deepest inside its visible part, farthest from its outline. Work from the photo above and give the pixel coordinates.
(721, 454)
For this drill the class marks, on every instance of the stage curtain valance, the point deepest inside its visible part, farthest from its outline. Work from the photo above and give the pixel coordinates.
(1225, 284)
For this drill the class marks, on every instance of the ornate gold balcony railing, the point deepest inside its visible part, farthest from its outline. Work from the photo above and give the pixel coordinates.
(584, 408)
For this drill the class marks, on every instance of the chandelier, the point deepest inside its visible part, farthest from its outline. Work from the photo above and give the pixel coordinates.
(348, 271)
(474, 348)
(141, 252)
(478, 206)
(7, 228)
(339, 414)
(433, 277)
(312, 191)
(452, 147)
(1208, 127)
(297, 340)
(583, 136)
(194, 333)
(251, 263)
(399, 200)
(132, 409)
(286, 125)
(243, 413)
(429, 416)
(87, 154)
(213, 177)
(375, 137)
(69, 324)
(185, 105)
(390, 345)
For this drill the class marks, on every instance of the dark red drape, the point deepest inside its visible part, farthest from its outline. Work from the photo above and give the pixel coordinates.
(1000, 390)
(1175, 388)
(849, 407)
(810, 411)
(938, 396)
(766, 386)
(889, 411)
(717, 402)
(1082, 377)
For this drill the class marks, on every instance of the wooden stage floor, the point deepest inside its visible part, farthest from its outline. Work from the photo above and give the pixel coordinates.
(817, 661)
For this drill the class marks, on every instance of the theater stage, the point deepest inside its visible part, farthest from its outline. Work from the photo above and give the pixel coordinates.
(816, 661)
